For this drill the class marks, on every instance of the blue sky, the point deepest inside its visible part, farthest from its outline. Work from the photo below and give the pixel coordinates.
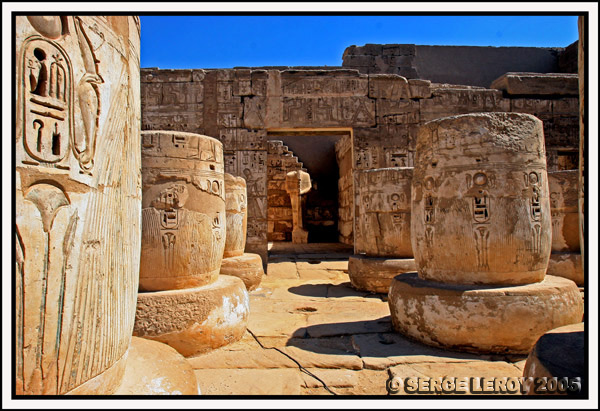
(283, 40)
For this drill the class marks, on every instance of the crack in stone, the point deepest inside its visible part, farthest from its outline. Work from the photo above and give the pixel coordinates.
(300, 367)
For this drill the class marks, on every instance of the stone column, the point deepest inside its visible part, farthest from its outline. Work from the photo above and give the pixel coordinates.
(190, 307)
(382, 238)
(481, 234)
(246, 266)
(78, 201)
(582, 98)
(183, 210)
(298, 183)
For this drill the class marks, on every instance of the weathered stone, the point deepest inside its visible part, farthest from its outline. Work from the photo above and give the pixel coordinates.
(323, 265)
(77, 201)
(383, 217)
(154, 368)
(183, 210)
(550, 358)
(322, 274)
(375, 274)
(332, 378)
(256, 358)
(563, 206)
(323, 353)
(250, 382)
(537, 83)
(388, 86)
(482, 318)
(453, 101)
(312, 83)
(567, 265)
(277, 325)
(380, 351)
(284, 269)
(236, 204)
(248, 267)
(194, 320)
(480, 184)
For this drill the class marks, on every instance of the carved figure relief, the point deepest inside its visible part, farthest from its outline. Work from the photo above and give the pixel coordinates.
(75, 289)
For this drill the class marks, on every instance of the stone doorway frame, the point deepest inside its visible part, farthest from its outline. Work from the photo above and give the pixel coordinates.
(274, 132)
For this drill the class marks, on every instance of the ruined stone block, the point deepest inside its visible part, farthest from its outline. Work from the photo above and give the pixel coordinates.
(537, 84)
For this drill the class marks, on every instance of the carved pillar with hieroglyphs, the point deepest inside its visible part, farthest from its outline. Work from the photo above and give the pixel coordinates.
(78, 201)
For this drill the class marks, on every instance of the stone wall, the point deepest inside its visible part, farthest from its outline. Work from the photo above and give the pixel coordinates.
(343, 153)
(240, 106)
(469, 65)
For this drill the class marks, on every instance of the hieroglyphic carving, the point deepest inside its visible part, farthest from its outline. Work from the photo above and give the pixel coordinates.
(328, 111)
(46, 93)
(183, 209)
(312, 85)
(236, 205)
(483, 157)
(252, 165)
(383, 217)
(254, 112)
(75, 289)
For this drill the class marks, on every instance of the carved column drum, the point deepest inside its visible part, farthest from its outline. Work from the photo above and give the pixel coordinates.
(183, 210)
(236, 205)
(480, 206)
(78, 201)
(564, 208)
(383, 221)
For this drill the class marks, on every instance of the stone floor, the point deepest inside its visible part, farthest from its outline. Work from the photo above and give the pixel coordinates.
(310, 333)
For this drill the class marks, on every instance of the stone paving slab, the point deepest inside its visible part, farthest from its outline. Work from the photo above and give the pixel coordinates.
(255, 358)
(283, 269)
(383, 350)
(332, 378)
(274, 325)
(283, 381)
(323, 265)
(308, 274)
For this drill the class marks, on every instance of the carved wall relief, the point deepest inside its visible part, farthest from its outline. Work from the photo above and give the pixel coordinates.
(383, 219)
(77, 202)
(183, 210)
(563, 207)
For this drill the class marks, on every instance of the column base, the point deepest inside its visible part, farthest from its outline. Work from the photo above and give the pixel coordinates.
(375, 274)
(247, 267)
(482, 319)
(154, 368)
(194, 320)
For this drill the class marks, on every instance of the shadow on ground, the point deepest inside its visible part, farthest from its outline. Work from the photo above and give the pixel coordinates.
(333, 291)
(375, 339)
